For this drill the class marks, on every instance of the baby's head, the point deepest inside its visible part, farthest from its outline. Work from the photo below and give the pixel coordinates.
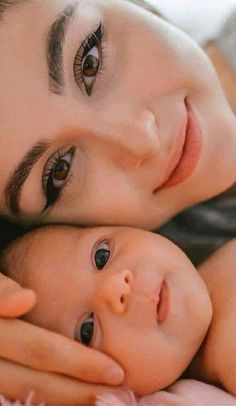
(129, 293)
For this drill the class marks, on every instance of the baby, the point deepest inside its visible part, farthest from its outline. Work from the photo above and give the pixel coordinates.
(135, 296)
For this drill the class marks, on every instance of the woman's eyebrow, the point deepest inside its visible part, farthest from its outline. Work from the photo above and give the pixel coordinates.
(18, 177)
(55, 41)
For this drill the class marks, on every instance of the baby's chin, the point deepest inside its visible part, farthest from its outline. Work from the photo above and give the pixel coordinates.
(145, 382)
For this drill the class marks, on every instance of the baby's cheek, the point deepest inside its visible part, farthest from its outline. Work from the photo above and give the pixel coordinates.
(140, 381)
(139, 363)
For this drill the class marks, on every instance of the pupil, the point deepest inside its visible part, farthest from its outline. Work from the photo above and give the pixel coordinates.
(91, 66)
(101, 258)
(87, 332)
(61, 170)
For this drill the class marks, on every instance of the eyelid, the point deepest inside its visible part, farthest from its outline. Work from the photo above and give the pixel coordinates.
(84, 50)
(51, 161)
(50, 165)
(101, 241)
(97, 336)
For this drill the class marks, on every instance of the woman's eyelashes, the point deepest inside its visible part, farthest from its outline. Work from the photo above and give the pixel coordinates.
(56, 174)
(88, 61)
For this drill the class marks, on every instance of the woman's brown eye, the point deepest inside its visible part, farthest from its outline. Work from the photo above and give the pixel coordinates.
(88, 61)
(56, 174)
(90, 66)
(61, 170)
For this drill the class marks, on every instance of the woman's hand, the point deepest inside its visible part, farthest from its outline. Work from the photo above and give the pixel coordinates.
(58, 370)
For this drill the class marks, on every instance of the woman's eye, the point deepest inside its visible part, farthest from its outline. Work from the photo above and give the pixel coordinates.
(102, 255)
(86, 331)
(88, 60)
(91, 64)
(56, 173)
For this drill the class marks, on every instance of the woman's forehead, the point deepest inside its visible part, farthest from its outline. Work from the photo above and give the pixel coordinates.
(5, 5)
(146, 5)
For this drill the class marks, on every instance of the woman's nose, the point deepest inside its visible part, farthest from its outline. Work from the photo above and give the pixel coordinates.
(132, 133)
(115, 290)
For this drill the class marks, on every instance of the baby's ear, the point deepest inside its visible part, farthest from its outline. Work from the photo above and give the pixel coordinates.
(109, 399)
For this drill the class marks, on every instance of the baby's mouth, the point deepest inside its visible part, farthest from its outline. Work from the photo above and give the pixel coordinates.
(162, 306)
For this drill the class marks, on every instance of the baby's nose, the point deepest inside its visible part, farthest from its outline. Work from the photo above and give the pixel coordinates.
(116, 289)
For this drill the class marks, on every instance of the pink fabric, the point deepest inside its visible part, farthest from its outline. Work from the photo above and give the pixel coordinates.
(28, 401)
(183, 393)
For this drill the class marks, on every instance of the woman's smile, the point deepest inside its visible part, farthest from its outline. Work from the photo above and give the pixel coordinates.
(187, 151)
(191, 151)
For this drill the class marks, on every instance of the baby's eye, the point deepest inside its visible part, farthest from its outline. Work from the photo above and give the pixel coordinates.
(102, 255)
(86, 330)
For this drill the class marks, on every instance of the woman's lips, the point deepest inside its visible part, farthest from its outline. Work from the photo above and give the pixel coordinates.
(163, 303)
(187, 153)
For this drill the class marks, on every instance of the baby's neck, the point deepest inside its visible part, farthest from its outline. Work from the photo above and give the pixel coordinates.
(215, 361)
(231, 192)
(201, 367)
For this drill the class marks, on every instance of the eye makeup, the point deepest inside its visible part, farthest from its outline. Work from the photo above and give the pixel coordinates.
(56, 174)
(88, 61)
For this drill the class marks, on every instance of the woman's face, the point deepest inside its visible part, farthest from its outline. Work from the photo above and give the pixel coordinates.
(127, 292)
(108, 115)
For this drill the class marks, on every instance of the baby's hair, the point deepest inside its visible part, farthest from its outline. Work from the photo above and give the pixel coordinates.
(10, 251)
(12, 257)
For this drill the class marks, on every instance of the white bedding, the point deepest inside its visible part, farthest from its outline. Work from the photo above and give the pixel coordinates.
(202, 20)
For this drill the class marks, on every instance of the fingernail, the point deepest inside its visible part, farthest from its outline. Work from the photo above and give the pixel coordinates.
(114, 376)
(126, 396)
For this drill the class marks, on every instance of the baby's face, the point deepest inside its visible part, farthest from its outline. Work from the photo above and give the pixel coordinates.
(129, 293)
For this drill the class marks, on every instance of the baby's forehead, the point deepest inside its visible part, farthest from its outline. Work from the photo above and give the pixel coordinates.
(48, 238)
(34, 243)
(49, 247)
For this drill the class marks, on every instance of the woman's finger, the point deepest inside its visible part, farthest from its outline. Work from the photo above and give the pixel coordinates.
(14, 300)
(17, 382)
(44, 350)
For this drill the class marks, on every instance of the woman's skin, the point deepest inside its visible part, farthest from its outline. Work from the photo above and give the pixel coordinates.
(123, 134)
(120, 127)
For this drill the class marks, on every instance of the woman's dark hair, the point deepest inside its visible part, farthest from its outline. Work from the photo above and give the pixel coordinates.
(9, 232)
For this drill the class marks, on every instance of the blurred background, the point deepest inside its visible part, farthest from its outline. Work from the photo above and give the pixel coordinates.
(202, 19)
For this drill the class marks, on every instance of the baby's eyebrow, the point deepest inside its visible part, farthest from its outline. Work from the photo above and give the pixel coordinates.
(55, 41)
